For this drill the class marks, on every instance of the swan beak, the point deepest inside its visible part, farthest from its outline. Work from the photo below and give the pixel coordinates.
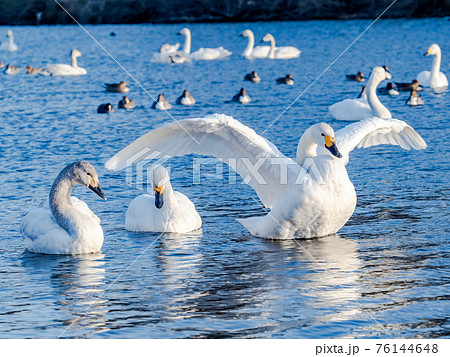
(159, 201)
(330, 144)
(388, 75)
(427, 53)
(98, 190)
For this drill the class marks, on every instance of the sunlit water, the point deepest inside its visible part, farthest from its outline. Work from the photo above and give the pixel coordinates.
(385, 272)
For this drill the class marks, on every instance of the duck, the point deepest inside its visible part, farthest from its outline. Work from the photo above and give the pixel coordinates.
(32, 70)
(358, 77)
(161, 103)
(286, 80)
(361, 108)
(241, 97)
(106, 108)
(11, 69)
(61, 69)
(10, 45)
(408, 87)
(185, 99)
(309, 197)
(166, 211)
(363, 93)
(414, 99)
(168, 54)
(286, 52)
(202, 53)
(64, 224)
(388, 90)
(252, 52)
(252, 77)
(117, 87)
(126, 103)
(434, 79)
(2, 64)
(178, 58)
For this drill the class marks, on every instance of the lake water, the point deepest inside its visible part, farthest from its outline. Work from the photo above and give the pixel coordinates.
(386, 272)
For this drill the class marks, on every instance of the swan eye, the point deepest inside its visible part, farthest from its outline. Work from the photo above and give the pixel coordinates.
(322, 134)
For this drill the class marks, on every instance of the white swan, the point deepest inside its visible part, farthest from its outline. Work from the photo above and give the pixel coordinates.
(64, 224)
(202, 53)
(250, 51)
(361, 108)
(10, 45)
(285, 52)
(312, 197)
(167, 211)
(61, 69)
(435, 78)
(165, 52)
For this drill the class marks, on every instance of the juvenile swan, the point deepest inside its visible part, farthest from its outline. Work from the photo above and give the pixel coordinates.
(311, 197)
(435, 78)
(63, 224)
(167, 211)
(61, 69)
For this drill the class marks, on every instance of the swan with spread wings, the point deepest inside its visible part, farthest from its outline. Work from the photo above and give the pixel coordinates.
(311, 197)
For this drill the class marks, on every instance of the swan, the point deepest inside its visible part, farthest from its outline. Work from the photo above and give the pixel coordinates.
(250, 51)
(126, 103)
(63, 224)
(241, 97)
(161, 103)
(106, 108)
(286, 52)
(202, 53)
(168, 48)
(310, 197)
(117, 87)
(286, 80)
(252, 77)
(358, 77)
(361, 108)
(167, 211)
(61, 69)
(165, 53)
(388, 90)
(11, 69)
(185, 99)
(414, 99)
(435, 78)
(10, 45)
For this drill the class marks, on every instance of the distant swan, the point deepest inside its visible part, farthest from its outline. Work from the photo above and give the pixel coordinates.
(250, 51)
(63, 224)
(202, 53)
(286, 52)
(361, 108)
(61, 69)
(10, 45)
(167, 211)
(435, 78)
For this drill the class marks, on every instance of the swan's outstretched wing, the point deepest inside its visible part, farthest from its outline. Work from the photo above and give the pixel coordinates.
(376, 131)
(256, 159)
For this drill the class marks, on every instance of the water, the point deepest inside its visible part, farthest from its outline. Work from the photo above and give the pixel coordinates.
(392, 257)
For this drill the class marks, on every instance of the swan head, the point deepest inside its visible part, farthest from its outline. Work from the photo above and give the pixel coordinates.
(84, 174)
(433, 50)
(9, 33)
(247, 33)
(75, 53)
(380, 74)
(323, 135)
(160, 182)
(184, 32)
(267, 38)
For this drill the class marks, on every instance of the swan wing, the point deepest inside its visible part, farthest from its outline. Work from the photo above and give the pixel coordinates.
(256, 159)
(376, 131)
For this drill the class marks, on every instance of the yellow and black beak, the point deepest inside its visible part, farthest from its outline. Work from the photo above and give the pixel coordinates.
(330, 144)
(159, 200)
(98, 190)
(427, 53)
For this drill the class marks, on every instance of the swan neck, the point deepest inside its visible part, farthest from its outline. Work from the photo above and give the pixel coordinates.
(59, 200)
(436, 66)
(187, 43)
(250, 45)
(272, 48)
(306, 148)
(378, 109)
(74, 62)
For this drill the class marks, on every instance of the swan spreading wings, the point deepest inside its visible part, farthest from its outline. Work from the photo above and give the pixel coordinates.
(311, 197)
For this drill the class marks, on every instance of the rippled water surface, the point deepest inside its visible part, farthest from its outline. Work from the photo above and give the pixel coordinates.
(385, 272)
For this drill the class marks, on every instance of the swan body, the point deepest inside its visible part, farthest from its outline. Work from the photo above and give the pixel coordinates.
(61, 69)
(286, 52)
(202, 53)
(241, 97)
(310, 197)
(126, 103)
(186, 99)
(167, 211)
(161, 103)
(361, 108)
(64, 224)
(435, 78)
(10, 45)
(252, 52)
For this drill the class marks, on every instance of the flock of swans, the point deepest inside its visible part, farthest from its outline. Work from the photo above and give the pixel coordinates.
(311, 196)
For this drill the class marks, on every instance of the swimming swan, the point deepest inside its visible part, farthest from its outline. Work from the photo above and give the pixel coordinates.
(61, 69)
(361, 108)
(10, 45)
(286, 52)
(202, 53)
(63, 224)
(311, 197)
(250, 51)
(435, 78)
(167, 211)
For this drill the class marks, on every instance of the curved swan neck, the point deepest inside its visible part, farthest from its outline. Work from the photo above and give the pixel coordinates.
(251, 44)
(74, 61)
(187, 42)
(59, 200)
(436, 66)
(306, 148)
(378, 109)
(272, 47)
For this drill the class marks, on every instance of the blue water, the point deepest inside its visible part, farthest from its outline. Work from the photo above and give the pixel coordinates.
(385, 273)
